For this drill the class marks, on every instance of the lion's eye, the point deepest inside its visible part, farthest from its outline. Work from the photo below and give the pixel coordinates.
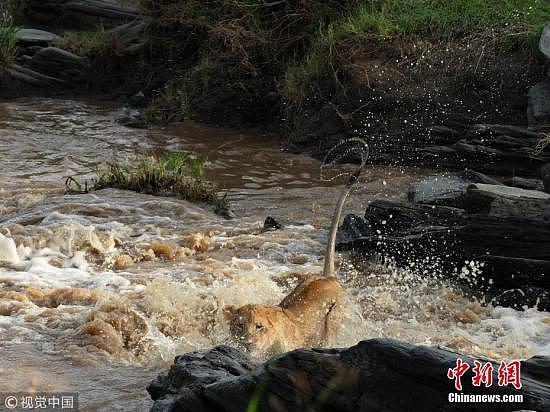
(259, 326)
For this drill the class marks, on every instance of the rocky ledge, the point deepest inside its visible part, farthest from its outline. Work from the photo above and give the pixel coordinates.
(374, 375)
(458, 220)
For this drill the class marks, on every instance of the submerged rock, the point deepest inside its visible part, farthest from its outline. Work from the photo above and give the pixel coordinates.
(374, 375)
(271, 223)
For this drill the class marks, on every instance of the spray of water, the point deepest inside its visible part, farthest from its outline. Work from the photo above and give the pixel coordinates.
(347, 151)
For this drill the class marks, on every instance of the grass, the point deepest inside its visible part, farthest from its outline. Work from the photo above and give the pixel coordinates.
(174, 174)
(437, 20)
(443, 20)
(230, 56)
(8, 38)
(99, 42)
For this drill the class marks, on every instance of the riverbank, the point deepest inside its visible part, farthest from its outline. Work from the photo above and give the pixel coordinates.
(411, 77)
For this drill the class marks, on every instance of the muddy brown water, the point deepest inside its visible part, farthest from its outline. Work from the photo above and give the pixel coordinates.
(74, 318)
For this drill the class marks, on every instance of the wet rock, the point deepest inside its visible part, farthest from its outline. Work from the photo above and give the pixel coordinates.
(35, 37)
(523, 183)
(538, 108)
(490, 148)
(545, 174)
(131, 117)
(523, 297)
(475, 177)
(544, 42)
(131, 36)
(180, 388)
(507, 229)
(53, 61)
(34, 78)
(352, 227)
(80, 15)
(374, 375)
(507, 202)
(440, 190)
(271, 224)
(138, 100)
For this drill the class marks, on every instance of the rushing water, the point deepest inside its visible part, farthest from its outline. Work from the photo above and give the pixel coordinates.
(75, 316)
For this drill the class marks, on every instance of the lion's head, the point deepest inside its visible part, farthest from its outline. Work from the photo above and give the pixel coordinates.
(260, 329)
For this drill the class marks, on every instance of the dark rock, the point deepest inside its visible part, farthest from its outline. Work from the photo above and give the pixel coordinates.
(544, 42)
(537, 369)
(374, 375)
(36, 37)
(271, 224)
(538, 108)
(523, 297)
(78, 14)
(439, 190)
(34, 78)
(490, 148)
(523, 183)
(138, 100)
(190, 373)
(505, 228)
(352, 227)
(33, 49)
(59, 63)
(475, 177)
(131, 118)
(507, 202)
(545, 175)
(131, 36)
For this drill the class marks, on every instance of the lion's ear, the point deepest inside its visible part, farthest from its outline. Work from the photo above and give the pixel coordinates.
(229, 311)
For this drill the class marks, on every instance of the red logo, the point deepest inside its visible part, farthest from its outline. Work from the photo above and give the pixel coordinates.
(457, 372)
(483, 373)
(508, 373)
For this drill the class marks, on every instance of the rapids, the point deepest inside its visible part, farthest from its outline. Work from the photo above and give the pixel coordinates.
(99, 291)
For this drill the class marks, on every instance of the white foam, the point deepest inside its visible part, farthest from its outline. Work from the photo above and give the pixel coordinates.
(8, 250)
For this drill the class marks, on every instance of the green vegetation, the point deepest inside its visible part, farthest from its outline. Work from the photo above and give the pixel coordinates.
(227, 56)
(439, 21)
(443, 20)
(97, 43)
(8, 38)
(174, 174)
(232, 56)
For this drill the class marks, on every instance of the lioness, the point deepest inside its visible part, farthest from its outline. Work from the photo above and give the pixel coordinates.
(306, 317)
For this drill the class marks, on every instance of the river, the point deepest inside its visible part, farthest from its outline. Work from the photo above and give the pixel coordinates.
(72, 320)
